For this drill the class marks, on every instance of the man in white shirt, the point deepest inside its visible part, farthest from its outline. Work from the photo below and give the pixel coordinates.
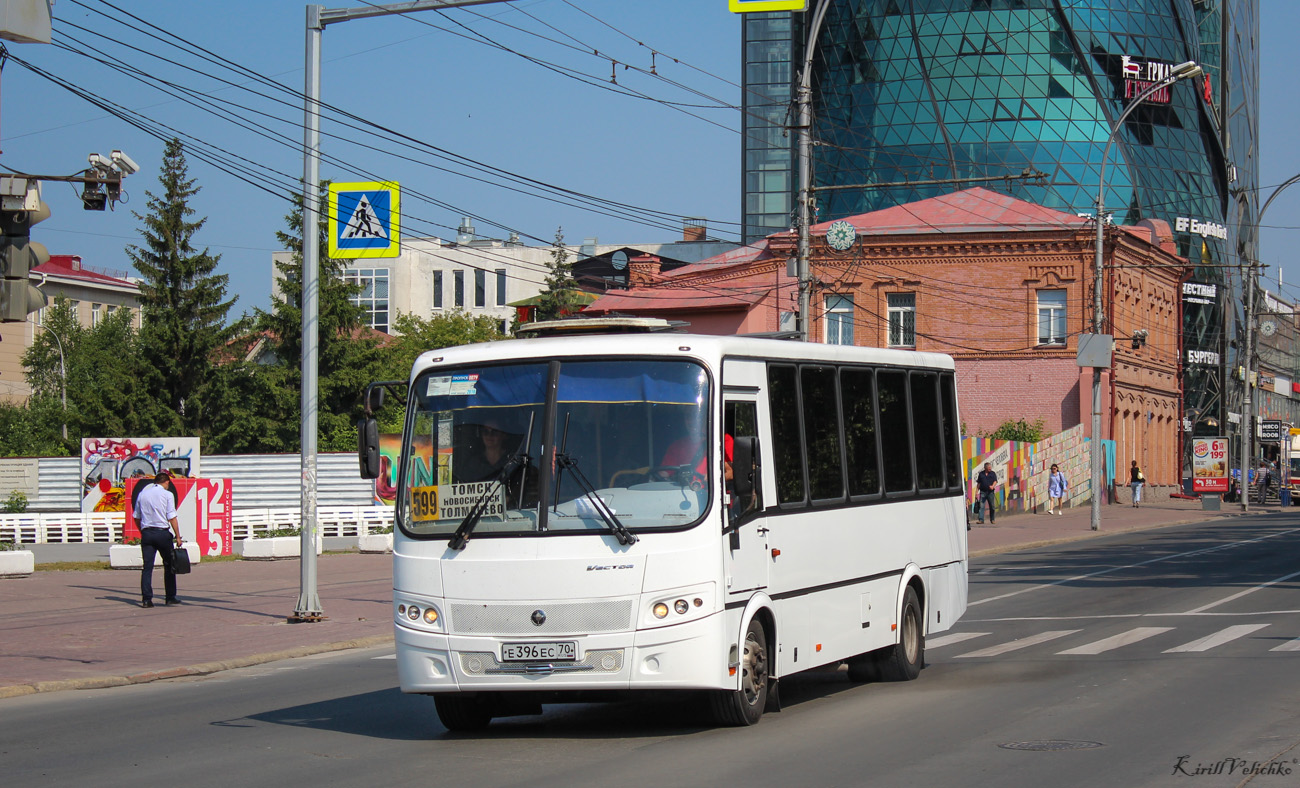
(156, 510)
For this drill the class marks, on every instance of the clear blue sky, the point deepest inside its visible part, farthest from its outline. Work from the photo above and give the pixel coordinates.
(674, 148)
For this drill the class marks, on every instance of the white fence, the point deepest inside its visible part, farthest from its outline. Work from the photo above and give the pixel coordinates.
(106, 527)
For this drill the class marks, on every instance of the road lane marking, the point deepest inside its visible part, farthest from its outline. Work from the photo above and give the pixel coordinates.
(1117, 641)
(1149, 561)
(1016, 645)
(956, 637)
(1290, 645)
(386, 656)
(1217, 639)
(1240, 594)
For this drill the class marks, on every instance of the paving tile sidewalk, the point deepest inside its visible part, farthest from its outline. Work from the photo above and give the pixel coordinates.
(85, 628)
(81, 629)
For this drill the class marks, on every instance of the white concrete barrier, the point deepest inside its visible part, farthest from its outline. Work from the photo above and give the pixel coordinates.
(128, 556)
(17, 563)
(273, 547)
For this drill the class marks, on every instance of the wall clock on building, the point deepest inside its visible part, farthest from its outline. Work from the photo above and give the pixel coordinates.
(1268, 328)
(841, 235)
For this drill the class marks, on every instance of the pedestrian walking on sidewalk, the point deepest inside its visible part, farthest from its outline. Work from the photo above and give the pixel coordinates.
(1056, 487)
(986, 481)
(158, 529)
(1265, 480)
(1135, 482)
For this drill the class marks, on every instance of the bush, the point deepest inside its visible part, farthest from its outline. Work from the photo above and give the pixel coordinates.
(16, 503)
(281, 532)
(1020, 430)
(7, 546)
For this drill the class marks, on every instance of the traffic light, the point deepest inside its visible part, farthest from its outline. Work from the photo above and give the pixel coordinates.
(19, 254)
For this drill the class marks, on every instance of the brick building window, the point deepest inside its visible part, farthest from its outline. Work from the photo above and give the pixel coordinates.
(839, 320)
(437, 289)
(458, 288)
(480, 287)
(1051, 317)
(902, 319)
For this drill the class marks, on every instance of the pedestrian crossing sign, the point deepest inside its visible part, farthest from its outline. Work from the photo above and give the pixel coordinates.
(748, 6)
(364, 219)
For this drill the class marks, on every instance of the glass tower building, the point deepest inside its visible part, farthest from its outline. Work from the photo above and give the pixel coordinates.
(915, 98)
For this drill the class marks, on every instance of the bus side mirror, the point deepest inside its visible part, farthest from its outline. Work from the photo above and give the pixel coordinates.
(368, 447)
(744, 465)
(374, 398)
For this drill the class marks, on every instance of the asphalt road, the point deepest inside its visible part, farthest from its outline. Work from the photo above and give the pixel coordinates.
(1129, 660)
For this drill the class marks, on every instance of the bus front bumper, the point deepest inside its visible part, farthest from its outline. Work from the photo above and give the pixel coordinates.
(692, 655)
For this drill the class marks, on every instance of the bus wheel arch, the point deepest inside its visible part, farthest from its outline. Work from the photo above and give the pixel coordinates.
(903, 660)
(751, 659)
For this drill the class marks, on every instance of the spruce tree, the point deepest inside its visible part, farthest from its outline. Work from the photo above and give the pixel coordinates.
(559, 296)
(183, 302)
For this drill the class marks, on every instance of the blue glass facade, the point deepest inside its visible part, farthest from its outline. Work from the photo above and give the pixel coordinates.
(963, 90)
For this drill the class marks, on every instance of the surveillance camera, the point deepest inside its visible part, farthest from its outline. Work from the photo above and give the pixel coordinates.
(124, 163)
(100, 163)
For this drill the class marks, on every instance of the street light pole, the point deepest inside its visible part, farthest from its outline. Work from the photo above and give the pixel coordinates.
(63, 375)
(309, 607)
(1179, 72)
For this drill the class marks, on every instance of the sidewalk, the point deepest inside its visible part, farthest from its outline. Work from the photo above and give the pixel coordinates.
(1020, 531)
(85, 629)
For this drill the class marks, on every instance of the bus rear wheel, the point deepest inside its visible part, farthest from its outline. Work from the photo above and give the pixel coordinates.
(903, 661)
(462, 712)
(745, 705)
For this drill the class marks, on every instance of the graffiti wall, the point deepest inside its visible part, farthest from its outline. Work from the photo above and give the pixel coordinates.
(107, 462)
(1022, 468)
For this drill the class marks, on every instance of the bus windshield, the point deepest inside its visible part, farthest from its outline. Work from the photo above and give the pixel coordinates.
(628, 437)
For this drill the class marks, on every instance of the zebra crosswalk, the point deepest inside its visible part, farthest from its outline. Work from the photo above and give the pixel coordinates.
(1092, 645)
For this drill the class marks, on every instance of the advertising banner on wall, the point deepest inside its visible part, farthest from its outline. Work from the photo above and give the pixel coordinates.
(203, 510)
(1210, 465)
(106, 463)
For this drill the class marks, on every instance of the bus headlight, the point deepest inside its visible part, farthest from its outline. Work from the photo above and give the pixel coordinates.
(660, 610)
(420, 615)
(681, 607)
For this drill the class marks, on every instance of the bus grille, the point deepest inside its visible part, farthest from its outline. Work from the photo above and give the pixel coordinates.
(480, 663)
(570, 618)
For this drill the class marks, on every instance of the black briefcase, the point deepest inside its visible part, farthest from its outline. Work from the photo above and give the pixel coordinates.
(181, 561)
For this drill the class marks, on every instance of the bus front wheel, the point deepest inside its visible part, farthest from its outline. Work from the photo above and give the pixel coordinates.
(745, 705)
(462, 712)
(903, 661)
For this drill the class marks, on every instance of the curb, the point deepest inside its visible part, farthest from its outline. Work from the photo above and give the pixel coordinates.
(201, 669)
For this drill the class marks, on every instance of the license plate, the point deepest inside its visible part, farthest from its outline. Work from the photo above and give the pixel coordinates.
(565, 650)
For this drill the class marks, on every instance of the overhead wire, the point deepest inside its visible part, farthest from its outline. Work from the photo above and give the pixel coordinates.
(163, 36)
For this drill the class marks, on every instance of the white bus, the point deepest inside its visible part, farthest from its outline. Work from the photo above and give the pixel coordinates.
(580, 517)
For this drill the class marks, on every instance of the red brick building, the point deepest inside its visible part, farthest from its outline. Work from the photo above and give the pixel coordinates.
(1002, 285)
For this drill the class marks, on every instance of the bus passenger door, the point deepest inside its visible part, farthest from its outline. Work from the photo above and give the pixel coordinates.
(744, 524)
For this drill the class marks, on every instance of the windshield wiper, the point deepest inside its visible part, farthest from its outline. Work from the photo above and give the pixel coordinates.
(624, 536)
(513, 463)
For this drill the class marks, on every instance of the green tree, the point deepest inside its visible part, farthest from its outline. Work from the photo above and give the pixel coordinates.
(183, 302)
(450, 329)
(108, 392)
(348, 352)
(559, 296)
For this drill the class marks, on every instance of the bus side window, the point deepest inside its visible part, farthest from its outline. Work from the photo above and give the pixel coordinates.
(740, 422)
